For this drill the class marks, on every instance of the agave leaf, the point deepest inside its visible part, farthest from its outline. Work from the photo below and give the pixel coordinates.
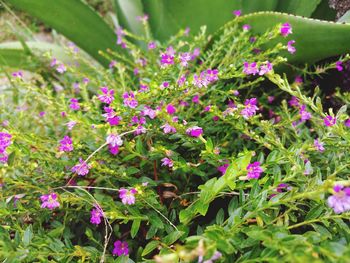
(251, 6)
(324, 12)
(315, 39)
(298, 7)
(15, 55)
(75, 20)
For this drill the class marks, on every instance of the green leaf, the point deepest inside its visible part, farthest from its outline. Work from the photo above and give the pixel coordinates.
(298, 7)
(135, 227)
(250, 6)
(14, 55)
(315, 40)
(150, 247)
(28, 235)
(315, 212)
(172, 237)
(75, 20)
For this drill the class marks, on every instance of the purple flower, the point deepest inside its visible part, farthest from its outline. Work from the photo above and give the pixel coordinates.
(195, 99)
(304, 114)
(127, 196)
(167, 58)
(17, 74)
(96, 214)
(265, 68)
(170, 109)
(139, 130)
(347, 123)
(112, 64)
(82, 168)
(129, 100)
(167, 162)
(61, 68)
(49, 201)
(340, 200)
(107, 96)
(196, 52)
(319, 145)
(5, 141)
(120, 33)
(114, 140)
(143, 18)
(250, 108)
(205, 78)
(181, 81)
(184, 58)
(286, 29)
(74, 104)
(329, 121)
(143, 88)
(294, 102)
(339, 65)
(246, 27)
(167, 128)
(71, 124)
(113, 149)
(120, 248)
(148, 111)
(290, 48)
(194, 131)
(111, 117)
(66, 144)
(250, 68)
(152, 45)
(254, 170)
(237, 12)
(223, 168)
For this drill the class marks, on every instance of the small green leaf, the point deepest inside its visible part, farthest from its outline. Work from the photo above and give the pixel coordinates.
(150, 247)
(28, 235)
(135, 227)
(172, 237)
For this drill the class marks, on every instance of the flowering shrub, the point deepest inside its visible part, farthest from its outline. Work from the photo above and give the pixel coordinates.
(184, 152)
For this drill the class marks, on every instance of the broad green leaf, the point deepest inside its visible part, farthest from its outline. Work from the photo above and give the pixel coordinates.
(250, 6)
(75, 20)
(172, 237)
(315, 39)
(13, 54)
(127, 12)
(135, 227)
(298, 7)
(167, 17)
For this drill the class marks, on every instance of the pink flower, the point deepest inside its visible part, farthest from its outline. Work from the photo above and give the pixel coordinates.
(120, 33)
(114, 140)
(250, 69)
(167, 128)
(286, 29)
(167, 58)
(265, 68)
(250, 108)
(167, 162)
(74, 105)
(49, 201)
(107, 96)
(82, 168)
(205, 78)
(196, 52)
(319, 145)
(17, 74)
(147, 111)
(237, 12)
(152, 45)
(66, 144)
(339, 65)
(129, 100)
(329, 121)
(195, 99)
(111, 116)
(347, 123)
(194, 131)
(96, 214)
(184, 58)
(340, 200)
(143, 18)
(112, 64)
(113, 149)
(290, 48)
(246, 27)
(140, 130)
(120, 248)
(170, 109)
(61, 68)
(127, 196)
(71, 125)
(304, 114)
(254, 170)
(294, 102)
(223, 168)
(5, 141)
(181, 81)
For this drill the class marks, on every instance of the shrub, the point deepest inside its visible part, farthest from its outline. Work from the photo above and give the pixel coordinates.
(188, 151)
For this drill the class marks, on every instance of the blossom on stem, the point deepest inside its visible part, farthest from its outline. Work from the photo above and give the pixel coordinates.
(49, 201)
(82, 168)
(120, 248)
(167, 128)
(254, 170)
(286, 29)
(66, 144)
(339, 65)
(340, 200)
(96, 214)
(265, 68)
(304, 114)
(184, 58)
(250, 68)
(329, 120)
(170, 109)
(129, 100)
(167, 162)
(114, 140)
(291, 49)
(127, 196)
(74, 104)
(107, 96)
(194, 131)
(237, 12)
(250, 108)
(319, 145)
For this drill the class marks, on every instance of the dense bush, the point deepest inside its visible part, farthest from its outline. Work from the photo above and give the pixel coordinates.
(188, 151)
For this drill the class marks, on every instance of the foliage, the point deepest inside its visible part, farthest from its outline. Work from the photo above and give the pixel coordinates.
(176, 160)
